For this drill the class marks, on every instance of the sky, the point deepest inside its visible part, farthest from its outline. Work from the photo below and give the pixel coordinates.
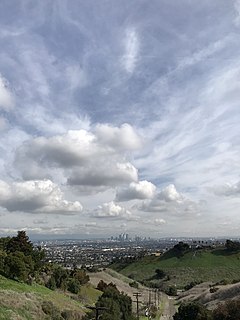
(120, 117)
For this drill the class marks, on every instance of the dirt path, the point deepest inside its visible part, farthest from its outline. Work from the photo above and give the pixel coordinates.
(168, 306)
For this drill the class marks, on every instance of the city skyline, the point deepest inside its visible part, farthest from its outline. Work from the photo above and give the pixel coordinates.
(120, 117)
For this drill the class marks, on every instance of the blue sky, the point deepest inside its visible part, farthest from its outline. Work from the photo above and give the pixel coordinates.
(120, 116)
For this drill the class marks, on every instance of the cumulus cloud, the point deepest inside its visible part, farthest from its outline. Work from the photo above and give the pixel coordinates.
(136, 190)
(170, 201)
(104, 174)
(36, 197)
(159, 221)
(227, 190)
(123, 137)
(6, 98)
(85, 158)
(111, 210)
(169, 194)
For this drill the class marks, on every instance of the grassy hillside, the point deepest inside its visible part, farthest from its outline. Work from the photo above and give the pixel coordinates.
(21, 301)
(202, 265)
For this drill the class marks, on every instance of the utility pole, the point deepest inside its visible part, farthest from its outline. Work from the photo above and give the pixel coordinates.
(137, 295)
(97, 309)
(149, 298)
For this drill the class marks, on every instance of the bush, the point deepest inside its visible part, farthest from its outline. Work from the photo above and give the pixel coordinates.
(70, 315)
(192, 311)
(73, 286)
(171, 291)
(160, 274)
(134, 284)
(51, 284)
(213, 289)
(51, 310)
(191, 285)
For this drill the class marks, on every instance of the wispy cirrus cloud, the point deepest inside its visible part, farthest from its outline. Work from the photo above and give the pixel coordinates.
(132, 47)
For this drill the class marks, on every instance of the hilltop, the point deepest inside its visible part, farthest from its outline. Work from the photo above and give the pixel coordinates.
(180, 270)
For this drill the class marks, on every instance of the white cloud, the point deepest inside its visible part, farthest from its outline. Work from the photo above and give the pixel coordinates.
(85, 158)
(172, 203)
(131, 45)
(6, 97)
(159, 221)
(227, 190)
(36, 197)
(170, 194)
(112, 210)
(123, 137)
(136, 190)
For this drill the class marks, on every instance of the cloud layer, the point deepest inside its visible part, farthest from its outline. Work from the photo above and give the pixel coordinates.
(111, 110)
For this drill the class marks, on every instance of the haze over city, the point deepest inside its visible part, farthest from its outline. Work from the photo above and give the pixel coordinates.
(120, 117)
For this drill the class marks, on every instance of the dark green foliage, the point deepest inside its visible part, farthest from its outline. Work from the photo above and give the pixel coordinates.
(19, 259)
(119, 305)
(51, 284)
(191, 285)
(134, 284)
(80, 275)
(213, 289)
(20, 243)
(102, 285)
(171, 291)
(192, 311)
(18, 266)
(229, 310)
(73, 286)
(160, 274)
(232, 245)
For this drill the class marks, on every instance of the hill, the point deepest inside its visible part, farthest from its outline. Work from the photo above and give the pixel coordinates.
(204, 294)
(180, 270)
(21, 301)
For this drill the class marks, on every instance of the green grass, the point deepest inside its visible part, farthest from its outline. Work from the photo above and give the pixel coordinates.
(204, 265)
(22, 301)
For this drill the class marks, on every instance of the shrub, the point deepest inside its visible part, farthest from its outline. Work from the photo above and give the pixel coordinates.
(51, 310)
(134, 284)
(171, 291)
(160, 274)
(213, 289)
(73, 286)
(191, 285)
(192, 311)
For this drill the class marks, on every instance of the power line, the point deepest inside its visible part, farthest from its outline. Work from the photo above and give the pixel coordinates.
(137, 295)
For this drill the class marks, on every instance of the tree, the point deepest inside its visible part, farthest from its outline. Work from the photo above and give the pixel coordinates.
(192, 311)
(80, 275)
(20, 243)
(73, 286)
(160, 274)
(232, 245)
(18, 266)
(119, 305)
